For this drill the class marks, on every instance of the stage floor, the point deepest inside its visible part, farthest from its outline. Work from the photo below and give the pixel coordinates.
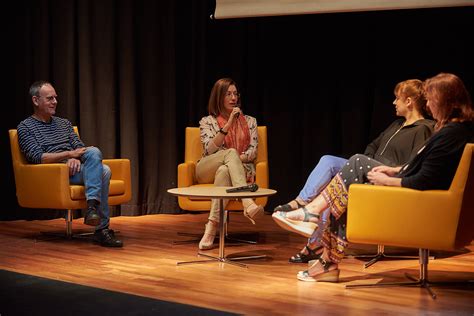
(147, 266)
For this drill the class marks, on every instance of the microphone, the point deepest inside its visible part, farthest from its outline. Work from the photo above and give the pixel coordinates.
(246, 188)
(237, 114)
(237, 106)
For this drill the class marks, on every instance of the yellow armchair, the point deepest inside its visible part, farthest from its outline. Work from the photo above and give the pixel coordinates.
(187, 178)
(46, 186)
(402, 217)
(187, 171)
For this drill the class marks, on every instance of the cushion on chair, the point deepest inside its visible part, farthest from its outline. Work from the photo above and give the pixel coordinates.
(117, 187)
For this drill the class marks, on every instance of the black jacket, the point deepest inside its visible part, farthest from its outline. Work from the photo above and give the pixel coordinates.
(396, 145)
(434, 167)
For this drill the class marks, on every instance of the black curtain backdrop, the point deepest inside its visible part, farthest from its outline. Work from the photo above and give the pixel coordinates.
(133, 74)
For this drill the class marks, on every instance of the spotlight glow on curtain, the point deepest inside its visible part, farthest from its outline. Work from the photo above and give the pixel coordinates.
(228, 9)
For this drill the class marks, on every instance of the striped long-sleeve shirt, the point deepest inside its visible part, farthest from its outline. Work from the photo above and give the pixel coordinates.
(36, 137)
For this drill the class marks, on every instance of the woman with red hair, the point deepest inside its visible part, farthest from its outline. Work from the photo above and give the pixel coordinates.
(433, 168)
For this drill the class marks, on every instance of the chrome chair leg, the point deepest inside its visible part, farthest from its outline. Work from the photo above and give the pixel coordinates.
(68, 234)
(381, 255)
(422, 281)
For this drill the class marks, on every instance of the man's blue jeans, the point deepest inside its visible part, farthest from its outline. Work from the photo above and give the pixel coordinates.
(327, 167)
(95, 176)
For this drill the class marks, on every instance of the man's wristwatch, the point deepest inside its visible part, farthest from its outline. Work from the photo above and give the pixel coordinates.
(222, 131)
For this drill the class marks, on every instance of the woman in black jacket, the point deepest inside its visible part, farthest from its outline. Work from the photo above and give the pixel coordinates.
(393, 147)
(432, 168)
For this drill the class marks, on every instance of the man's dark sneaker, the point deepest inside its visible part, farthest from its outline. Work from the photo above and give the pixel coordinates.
(91, 218)
(106, 237)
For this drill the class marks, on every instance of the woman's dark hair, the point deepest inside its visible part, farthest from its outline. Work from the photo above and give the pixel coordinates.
(216, 99)
(446, 92)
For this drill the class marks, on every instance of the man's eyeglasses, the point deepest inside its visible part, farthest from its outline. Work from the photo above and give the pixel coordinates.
(229, 94)
(49, 99)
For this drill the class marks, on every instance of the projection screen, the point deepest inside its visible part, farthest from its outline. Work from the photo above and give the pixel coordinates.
(228, 9)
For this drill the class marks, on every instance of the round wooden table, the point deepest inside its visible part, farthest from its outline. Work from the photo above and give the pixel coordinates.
(214, 192)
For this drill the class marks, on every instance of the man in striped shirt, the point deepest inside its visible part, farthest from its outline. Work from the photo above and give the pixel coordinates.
(45, 138)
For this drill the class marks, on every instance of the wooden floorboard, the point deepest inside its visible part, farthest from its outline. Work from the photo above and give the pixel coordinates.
(146, 266)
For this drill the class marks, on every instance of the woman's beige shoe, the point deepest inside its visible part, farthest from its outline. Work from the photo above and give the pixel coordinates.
(207, 240)
(322, 271)
(253, 211)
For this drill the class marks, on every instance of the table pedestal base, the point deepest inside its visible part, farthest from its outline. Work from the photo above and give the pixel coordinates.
(223, 259)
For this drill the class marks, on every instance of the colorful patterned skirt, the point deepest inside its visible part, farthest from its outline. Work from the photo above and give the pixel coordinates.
(336, 195)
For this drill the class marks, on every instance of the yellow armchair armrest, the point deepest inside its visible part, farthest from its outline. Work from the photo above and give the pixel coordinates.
(49, 182)
(261, 177)
(120, 168)
(186, 174)
(121, 171)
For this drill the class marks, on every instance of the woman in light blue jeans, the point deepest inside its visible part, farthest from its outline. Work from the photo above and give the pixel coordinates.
(393, 147)
(325, 170)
